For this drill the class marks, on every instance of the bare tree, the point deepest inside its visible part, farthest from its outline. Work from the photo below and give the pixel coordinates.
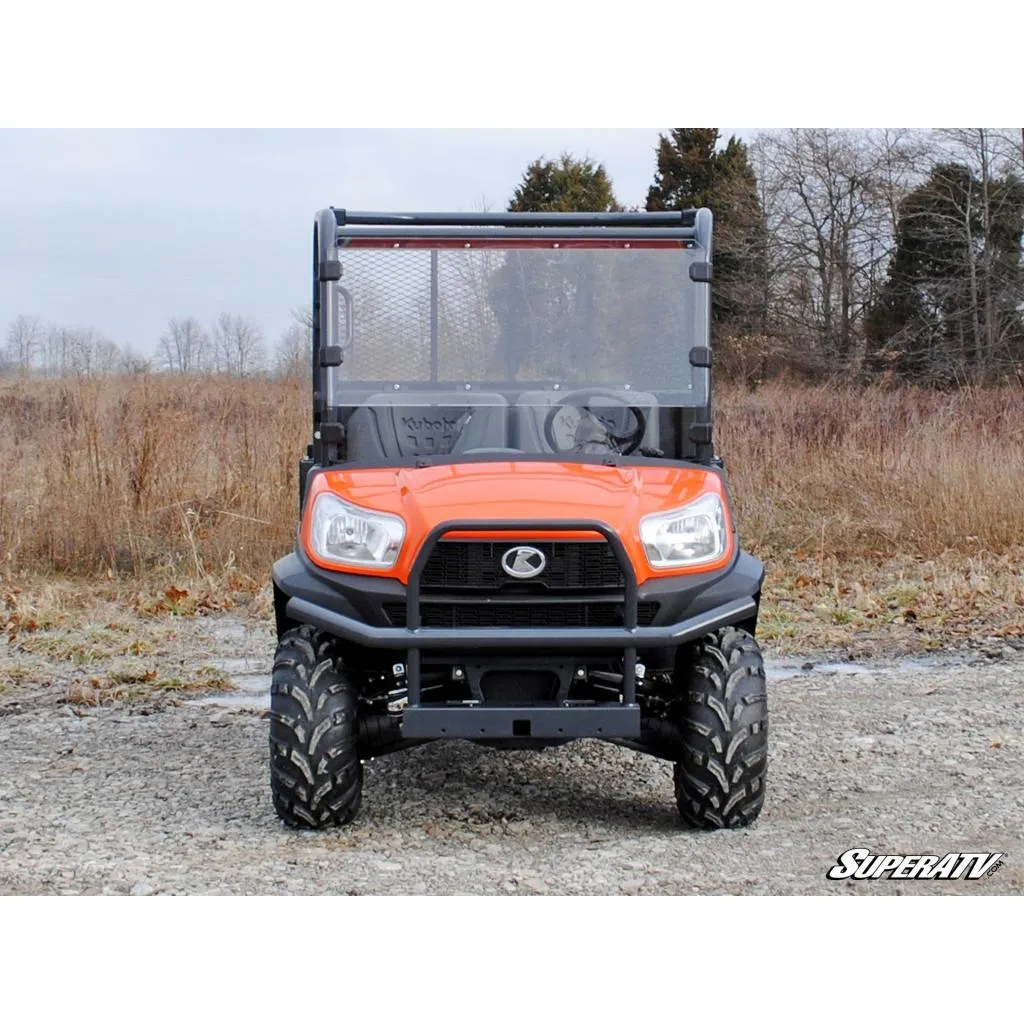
(303, 315)
(239, 345)
(52, 351)
(991, 158)
(184, 347)
(80, 350)
(294, 350)
(58, 349)
(24, 340)
(106, 356)
(132, 363)
(831, 198)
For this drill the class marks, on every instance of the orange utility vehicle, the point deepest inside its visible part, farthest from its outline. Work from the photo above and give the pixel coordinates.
(514, 527)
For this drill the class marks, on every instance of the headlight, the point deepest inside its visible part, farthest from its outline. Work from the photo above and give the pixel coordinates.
(685, 536)
(349, 535)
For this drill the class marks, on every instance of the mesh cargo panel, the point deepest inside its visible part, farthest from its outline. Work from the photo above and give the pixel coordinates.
(575, 316)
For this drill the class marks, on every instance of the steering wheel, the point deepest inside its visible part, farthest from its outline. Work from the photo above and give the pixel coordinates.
(622, 444)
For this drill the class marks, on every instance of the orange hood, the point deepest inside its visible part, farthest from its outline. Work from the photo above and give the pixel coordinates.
(618, 496)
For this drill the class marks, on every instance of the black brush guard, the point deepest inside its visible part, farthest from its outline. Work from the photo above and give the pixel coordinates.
(544, 721)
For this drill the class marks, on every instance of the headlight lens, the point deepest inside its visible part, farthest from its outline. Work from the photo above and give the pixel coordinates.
(686, 536)
(350, 535)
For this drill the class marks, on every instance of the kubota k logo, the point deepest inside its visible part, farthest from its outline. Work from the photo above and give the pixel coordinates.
(523, 563)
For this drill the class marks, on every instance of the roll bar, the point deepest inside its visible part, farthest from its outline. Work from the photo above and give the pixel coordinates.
(664, 219)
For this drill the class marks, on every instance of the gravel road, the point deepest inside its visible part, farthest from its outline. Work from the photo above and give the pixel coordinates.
(896, 757)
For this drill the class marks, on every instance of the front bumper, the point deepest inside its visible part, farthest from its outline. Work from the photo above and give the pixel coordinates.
(350, 607)
(337, 624)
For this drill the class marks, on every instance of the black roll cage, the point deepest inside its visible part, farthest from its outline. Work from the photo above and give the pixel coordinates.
(334, 228)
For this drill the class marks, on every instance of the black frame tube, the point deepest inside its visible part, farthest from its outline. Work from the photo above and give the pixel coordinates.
(605, 638)
(639, 218)
(555, 232)
(315, 367)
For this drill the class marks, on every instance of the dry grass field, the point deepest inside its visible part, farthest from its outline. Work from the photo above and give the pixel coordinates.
(887, 519)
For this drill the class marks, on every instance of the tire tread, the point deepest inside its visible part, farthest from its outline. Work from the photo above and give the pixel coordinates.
(719, 777)
(316, 776)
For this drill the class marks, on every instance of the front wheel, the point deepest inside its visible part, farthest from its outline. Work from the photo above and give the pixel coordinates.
(722, 716)
(316, 776)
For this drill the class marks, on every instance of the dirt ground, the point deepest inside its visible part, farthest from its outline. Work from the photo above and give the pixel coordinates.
(136, 762)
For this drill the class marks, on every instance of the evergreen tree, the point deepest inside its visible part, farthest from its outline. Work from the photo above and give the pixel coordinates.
(930, 322)
(692, 171)
(686, 173)
(564, 186)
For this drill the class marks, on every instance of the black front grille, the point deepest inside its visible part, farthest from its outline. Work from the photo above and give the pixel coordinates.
(476, 565)
(521, 615)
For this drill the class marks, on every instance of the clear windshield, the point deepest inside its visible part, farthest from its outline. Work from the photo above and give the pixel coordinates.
(565, 315)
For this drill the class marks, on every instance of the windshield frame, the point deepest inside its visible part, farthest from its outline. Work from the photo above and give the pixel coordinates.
(335, 232)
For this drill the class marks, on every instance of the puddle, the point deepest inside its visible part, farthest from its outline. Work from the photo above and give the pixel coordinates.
(253, 701)
(788, 670)
(252, 686)
(777, 671)
(237, 666)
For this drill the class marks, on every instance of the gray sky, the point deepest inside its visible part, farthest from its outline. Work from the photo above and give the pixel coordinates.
(121, 230)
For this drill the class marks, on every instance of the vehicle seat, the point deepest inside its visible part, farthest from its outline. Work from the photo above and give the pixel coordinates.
(390, 425)
(532, 408)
